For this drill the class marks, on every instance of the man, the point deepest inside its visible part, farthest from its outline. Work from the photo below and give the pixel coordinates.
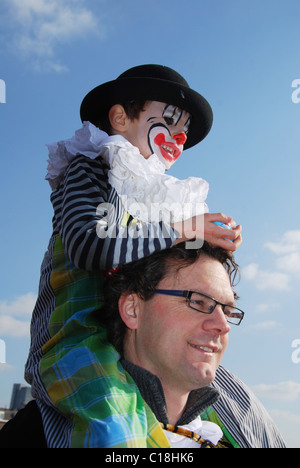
(169, 316)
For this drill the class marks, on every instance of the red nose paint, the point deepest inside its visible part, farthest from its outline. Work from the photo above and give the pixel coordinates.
(180, 138)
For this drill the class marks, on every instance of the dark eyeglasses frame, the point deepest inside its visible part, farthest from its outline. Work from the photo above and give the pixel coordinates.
(187, 294)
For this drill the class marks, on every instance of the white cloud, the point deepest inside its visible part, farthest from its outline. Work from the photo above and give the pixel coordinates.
(290, 263)
(41, 26)
(266, 279)
(290, 242)
(250, 272)
(287, 264)
(265, 307)
(15, 316)
(9, 326)
(22, 305)
(288, 251)
(289, 426)
(289, 417)
(6, 367)
(270, 326)
(267, 326)
(283, 391)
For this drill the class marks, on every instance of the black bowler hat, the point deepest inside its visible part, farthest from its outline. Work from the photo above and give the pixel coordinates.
(153, 83)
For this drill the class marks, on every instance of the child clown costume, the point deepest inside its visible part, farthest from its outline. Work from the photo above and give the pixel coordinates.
(111, 206)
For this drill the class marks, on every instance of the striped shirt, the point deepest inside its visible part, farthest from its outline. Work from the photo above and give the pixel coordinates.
(88, 215)
(243, 415)
(93, 225)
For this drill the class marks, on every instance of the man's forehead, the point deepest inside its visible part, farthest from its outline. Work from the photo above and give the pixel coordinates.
(206, 275)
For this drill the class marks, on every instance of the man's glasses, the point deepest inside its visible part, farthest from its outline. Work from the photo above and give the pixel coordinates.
(206, 304)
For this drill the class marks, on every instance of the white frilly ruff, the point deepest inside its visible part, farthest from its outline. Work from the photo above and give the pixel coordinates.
(206, 429)
(148, 194)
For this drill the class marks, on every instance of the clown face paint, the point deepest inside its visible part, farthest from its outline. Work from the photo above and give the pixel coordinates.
(161, 129)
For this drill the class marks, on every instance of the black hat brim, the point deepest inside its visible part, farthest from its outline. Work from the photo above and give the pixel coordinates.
(97, 102)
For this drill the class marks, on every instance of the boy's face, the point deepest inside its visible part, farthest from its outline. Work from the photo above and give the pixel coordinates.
(161, 129)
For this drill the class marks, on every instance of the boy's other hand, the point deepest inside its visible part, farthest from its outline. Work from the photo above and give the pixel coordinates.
(203, 226)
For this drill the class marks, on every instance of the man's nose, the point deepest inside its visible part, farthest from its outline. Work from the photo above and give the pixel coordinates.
(217, 321)
(180, 138)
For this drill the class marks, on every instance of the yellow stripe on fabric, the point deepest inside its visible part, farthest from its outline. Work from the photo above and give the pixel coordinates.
(81, 370)
(156, 438)
(125, 219)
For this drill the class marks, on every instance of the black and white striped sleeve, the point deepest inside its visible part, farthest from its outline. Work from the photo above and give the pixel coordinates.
(89, 217)
(243, 415)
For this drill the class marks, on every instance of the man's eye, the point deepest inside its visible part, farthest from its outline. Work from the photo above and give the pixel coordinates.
(197, 303)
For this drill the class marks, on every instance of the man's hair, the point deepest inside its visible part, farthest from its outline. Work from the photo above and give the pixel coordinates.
(132, 109)
(143, 276)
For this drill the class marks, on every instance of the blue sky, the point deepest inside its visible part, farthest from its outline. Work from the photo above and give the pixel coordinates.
(243, 56)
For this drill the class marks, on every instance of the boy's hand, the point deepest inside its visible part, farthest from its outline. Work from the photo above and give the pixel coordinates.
(204, 226)
(217, 236)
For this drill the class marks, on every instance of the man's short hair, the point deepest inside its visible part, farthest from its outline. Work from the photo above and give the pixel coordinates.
(143, 276)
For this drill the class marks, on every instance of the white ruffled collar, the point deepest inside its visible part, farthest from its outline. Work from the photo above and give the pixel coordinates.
(87, 141)
(147, 193)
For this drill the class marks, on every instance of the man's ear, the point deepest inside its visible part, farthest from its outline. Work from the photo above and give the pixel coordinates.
(129, 304)
(118, 118)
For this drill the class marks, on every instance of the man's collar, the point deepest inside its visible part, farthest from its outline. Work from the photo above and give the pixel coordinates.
(152, 392)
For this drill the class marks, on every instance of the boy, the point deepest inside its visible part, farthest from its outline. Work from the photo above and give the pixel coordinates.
(103, 185)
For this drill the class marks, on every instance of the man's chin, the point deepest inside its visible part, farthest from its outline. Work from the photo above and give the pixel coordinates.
(206, 374)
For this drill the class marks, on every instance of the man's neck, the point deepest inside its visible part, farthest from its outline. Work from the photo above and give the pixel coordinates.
(176, 404)
(152, 391)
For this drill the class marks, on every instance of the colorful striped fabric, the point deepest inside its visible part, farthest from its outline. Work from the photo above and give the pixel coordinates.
(211, 415)
(81, 370)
